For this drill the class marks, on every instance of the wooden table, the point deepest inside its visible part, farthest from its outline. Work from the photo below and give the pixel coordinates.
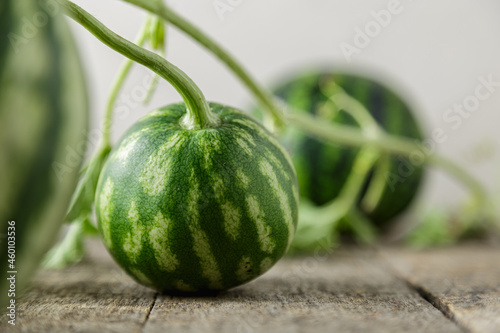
(353, 290)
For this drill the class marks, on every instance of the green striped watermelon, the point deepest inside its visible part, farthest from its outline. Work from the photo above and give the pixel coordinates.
(43, 120)
(197, 210)
(322, 168)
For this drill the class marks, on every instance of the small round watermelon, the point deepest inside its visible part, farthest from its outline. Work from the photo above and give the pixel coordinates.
(185, 210)
(323, 168)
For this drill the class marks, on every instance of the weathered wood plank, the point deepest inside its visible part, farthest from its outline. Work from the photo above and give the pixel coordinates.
(350, 292)
(86, 298)
(463, 282)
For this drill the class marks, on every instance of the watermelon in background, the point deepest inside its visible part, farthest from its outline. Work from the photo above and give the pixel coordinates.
(322, 168)
(43, 120)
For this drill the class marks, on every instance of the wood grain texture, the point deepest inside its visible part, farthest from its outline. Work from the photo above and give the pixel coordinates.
(463, 282)
(84, 298)
(352, 290)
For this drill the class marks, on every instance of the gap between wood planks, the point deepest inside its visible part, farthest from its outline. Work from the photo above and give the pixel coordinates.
(437, 303)
(462, 282)
(425, 294)
(150, 309)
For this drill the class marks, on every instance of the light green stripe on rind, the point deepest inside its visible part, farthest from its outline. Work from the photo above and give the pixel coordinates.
(278, 146)
(265, 264)
(106, 208)
(201, 244)
(159, 238)
(244, 146)
(208, 144)
(218, 186)
(246, 136)
(232, 219)
(267, 170)
(295, 192)
(132, 244)
(182, 286)
(263, 230)
(153, 177)
(271, 157)
(243, 272)
(141, 277)
(245, 141)
(230, 213)
(154, 113)
(264, 134)
(129, 144)
(122, 153)
(244, 180)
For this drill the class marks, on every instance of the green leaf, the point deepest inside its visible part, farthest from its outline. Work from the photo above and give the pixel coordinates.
(363, 229)
(316, 230)
(156, 33)
(70, 250)
(83, 197)
(89, 228)
(433, 230)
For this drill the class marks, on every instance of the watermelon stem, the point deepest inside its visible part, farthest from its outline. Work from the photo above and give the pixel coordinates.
(341, 100)
(350, 136)
(117, 85)
(363, 164)
(157, 30)
(148, 30)
(376, 188)
(263, 96)
(320, 224)
(199, 114)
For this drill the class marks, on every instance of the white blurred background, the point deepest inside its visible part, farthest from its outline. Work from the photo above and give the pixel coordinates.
(434, 51)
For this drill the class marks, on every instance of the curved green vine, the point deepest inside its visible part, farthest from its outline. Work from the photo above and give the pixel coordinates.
(115, 90)
(198, 114)
(263, 96)
(327, 131)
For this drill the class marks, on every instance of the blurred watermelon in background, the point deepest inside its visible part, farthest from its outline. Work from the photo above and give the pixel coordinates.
(323, 168)
(43, 120)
